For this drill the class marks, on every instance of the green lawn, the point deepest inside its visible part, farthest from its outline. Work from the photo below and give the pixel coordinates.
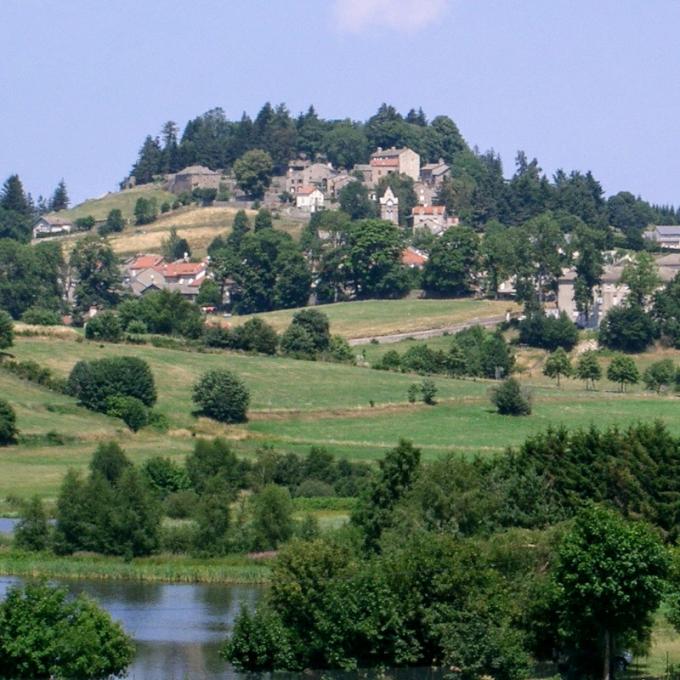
(382, 317)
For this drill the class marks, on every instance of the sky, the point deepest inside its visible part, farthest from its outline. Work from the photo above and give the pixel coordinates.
(578, 84)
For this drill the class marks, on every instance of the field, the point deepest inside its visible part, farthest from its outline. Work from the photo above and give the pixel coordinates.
(354, 412)
(198, 225)
(384, 317)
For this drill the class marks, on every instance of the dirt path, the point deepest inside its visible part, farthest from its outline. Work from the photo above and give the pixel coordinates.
(430, 333)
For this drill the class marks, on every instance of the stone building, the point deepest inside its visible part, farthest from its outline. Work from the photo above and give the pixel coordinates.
(402, 161)
(303, 173)
(309, 198)
(194, 177)
(434, 174)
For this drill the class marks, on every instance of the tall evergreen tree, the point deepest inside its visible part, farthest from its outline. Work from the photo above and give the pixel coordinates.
(13, 197)
(59, 200)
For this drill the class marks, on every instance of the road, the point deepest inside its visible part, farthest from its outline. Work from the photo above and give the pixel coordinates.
(430, 333)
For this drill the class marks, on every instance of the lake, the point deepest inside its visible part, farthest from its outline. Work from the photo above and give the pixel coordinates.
(178, 628)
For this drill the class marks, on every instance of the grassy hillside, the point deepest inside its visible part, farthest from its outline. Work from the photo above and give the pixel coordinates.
(354, 412)
(198, 225)
(125, 201)
(382, 317)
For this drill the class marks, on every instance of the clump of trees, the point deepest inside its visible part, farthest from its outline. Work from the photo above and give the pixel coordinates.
(473, 352)
(162, 312)
(122, 387)
(8, 424)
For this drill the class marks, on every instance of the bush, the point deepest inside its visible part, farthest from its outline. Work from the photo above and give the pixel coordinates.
(390, 361)
(510, 399)
(660, 375)
(298, 343)
(93, 382)
(255, 335)
(41, 317)
(218, 336)
(429, 391)
(32, 532)
(627, 329)
(129, 409)
(178, 539)
(180, 504)
(84, 223)
(105, 327)
(165, 207)
(146, 210)
(221, 395)
(163, 312)
(314, 488)
(8, 424)
(422, 359)
(316, 324)
(340, 350)
(165, 476)
(272, 517)
(137, 327)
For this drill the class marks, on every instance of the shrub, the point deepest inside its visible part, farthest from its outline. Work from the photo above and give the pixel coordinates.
(314, 488)
(390, 361)
(221, 395)
(422, 359)
(340, 350)
(105, 326)
(32, 532)
(180, 504)
(93, 382)
(255, 335)
(8, 424)
(317, 325)
(165, 476)
(510, 399)
(165, 207)
(129, 409)
(627, 329)
(178, 539)
(41, 317)
(298, 342)
(412, 393)
(272, 517)
(109, 461)
(659, 375)
(429, 391)
(218, 336)
(137, 327)
(85, 223)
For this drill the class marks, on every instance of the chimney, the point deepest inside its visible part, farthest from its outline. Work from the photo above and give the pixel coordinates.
(186, 257)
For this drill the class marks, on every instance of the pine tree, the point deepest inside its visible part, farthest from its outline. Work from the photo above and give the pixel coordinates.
(13, 196)
(60, 198)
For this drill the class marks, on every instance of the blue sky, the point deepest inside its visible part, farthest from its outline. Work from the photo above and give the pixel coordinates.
(580, 84)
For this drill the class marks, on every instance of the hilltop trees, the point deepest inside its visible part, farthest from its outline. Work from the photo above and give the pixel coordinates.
(15, 211)
(253, 172)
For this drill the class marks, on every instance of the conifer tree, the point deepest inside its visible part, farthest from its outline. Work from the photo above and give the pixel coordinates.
(60, 198)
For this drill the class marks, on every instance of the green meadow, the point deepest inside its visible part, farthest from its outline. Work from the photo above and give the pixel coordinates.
(354, 412)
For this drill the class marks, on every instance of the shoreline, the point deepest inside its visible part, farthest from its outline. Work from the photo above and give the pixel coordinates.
(164, 568)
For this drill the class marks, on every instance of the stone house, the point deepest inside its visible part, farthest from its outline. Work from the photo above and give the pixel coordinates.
(335, 184)
(304, 173)
(402, 161)
(309, 198)
(194, 177)
(434, 174)
(610, 293)
(666, 236)
(433, 218)
(52, 226)
(389, 207)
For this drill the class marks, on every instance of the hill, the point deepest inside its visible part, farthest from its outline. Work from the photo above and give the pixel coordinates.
(354, 412)
(199, 225)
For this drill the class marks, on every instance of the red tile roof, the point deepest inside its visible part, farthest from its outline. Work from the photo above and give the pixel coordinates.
(306, 190)
(429, 210)
(385, 162)
(146, 261)
(413, 258)
(182, 269)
